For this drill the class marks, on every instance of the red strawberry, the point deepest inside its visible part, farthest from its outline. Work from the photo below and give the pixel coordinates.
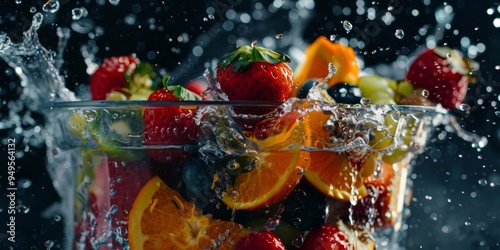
(110, 75)
(326, 237)
(261, 241)
(256, 74)
(170, 125)
(197, 86)
(112, 193)
(376, 207)
(444, 73)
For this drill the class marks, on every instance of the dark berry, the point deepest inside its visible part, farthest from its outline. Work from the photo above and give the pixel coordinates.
(305, 207)
(304, 90)
(345, 93)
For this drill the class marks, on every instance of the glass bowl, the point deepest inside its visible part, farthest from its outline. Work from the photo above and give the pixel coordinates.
(204, 174)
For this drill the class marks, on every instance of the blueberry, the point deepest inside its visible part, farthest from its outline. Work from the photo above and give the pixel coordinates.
(304, 90)
(305, 207)
(345, 93)
(196, 176)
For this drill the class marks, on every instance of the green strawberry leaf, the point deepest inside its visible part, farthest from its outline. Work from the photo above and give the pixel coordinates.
(183, 93)
(244, 56)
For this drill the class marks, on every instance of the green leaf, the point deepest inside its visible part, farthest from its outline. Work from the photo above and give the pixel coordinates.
(165, 80)
(182, 93)
(244, 56)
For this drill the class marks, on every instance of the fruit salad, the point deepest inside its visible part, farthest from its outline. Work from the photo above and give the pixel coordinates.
(255, 155)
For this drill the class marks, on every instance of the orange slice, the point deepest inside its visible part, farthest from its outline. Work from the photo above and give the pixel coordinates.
(331, 173)
(318, 55)
(276, 176)
(161, 219)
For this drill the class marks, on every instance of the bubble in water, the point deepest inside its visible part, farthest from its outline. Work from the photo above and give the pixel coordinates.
(483, 182)
(232, 165)
(205, 19)
(399, 33)
(298, 241)
(51, 6)
(332, 37)
(114, 2)
(347, 26)
(464, 107)
(211, 17)
(32, 9)
(278, 36)
(22, 209)
(19, 1)
(78, 13)
(425, 93)
(497, 113)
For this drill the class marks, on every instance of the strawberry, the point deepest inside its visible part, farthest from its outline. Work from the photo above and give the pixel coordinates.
(444, 73)
(326, 237)
(113, 190)
(170, 125)
(260, 240)
(197, 86)
(256, 74)
(110, 75)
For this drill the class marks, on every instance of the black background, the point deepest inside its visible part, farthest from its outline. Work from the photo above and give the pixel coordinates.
(450, 209)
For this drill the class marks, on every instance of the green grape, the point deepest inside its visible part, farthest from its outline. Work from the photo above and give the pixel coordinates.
(383, 139)
(380, 90)
(404, 88)
(400, 153)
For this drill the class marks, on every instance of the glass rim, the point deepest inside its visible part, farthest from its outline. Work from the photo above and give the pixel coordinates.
(136, 104)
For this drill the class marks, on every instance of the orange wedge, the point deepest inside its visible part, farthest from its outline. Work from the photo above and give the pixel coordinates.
(276, 176)
(317, 57)
(332, 174)
(161, 219)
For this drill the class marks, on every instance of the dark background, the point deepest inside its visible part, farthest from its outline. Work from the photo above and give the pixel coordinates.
(455, 201)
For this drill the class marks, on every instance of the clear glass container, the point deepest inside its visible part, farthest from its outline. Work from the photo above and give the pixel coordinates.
(202, 175)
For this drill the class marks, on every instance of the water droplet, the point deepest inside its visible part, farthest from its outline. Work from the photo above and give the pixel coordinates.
(49, 244)
(51, 6)
(37, 21)
(57, 218)
(464, 107)
(425, 93)
(332, 37)
(22, 209)
(78, 13)
(365, 101)
(399, 33)
(114, 2)
(232, 165)
(89, 115)
(298, 241)
(113, 209)
(347, 26)
(483, 182)
(24, 183)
